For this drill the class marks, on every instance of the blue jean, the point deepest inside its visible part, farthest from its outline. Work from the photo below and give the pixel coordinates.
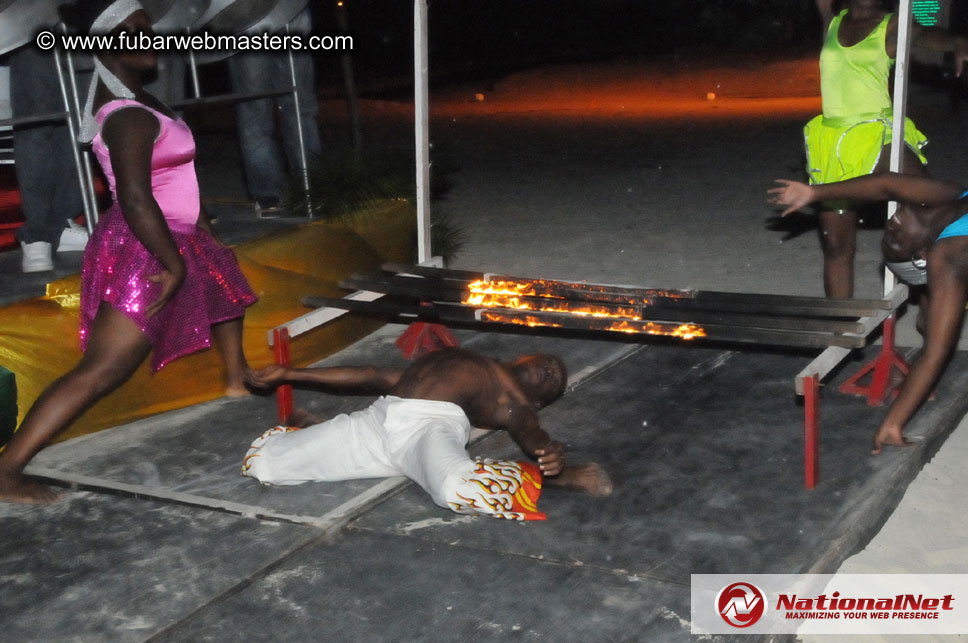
(265, 167)
(50, 192)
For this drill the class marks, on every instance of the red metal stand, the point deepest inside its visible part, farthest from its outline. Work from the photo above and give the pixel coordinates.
(811, 430)
(880, 369)
(280, 346)
(421, 338)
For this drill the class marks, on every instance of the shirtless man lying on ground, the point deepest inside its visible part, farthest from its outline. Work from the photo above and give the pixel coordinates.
(420, 427)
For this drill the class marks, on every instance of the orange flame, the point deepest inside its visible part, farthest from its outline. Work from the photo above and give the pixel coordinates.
(527, 320)
(512, 294)
(683, 331)
(507, 294)
(482, 288)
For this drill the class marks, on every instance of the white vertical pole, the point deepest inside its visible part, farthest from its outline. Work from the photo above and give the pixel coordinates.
(900, 108)
(83, 179)
(300, 135)
(421, 98)
(87, 179)
(193, 68)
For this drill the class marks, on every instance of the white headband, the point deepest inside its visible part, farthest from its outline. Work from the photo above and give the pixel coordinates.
(108, 19)
(114, 15)
(914, 272)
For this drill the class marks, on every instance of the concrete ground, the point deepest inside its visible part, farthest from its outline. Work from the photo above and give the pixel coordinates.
(622, 173)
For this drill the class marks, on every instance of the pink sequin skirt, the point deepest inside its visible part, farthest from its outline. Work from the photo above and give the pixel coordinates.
(116, 270)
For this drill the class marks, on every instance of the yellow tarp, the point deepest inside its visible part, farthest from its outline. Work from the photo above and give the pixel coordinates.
(39, 341)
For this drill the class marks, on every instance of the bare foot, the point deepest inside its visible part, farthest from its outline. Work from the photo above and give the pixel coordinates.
(590, 478)
(237, 391)
(888, 437)
(302, 418)
(17, 488)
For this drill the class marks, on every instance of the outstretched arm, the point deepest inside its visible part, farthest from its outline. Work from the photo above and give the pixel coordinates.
(523, 427)
(340, 378)
(889, 186)
(933, 39)
(948, 288)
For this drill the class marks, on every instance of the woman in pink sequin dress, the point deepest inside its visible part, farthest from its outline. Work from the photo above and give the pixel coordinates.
(155, 278)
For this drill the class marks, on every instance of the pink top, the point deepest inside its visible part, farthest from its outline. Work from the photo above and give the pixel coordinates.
(174, 183)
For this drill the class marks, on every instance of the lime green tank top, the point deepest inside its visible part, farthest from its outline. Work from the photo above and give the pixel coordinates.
(854, 80)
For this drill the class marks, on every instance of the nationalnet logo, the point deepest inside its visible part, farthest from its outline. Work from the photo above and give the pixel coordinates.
(741, 604)
(830, 604)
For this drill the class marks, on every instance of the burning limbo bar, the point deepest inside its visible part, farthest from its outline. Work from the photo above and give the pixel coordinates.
(691, 299)
(461, 297)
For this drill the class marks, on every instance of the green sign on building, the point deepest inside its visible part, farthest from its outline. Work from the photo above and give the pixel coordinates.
(927, 12)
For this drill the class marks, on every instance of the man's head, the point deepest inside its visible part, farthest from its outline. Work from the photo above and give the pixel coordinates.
(542, 377)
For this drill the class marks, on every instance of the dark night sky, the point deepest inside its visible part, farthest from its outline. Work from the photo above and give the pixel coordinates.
(481, 38)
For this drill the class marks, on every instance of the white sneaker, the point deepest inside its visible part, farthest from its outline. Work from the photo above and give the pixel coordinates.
(36, 257)
(73, 238)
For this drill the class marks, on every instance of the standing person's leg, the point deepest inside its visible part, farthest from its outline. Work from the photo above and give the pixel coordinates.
(265, 172)
(305, 72)
(838, 239)
(228, 339)
(40, 152)
(116, 347)
(44, 162)
(65, 193)
(33, 151)
(308, 110)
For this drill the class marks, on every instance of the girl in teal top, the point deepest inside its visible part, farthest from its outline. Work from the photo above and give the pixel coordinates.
(960, 226)
(925, 241)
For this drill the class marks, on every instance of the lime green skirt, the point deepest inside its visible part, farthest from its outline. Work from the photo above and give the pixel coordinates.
(837, 151)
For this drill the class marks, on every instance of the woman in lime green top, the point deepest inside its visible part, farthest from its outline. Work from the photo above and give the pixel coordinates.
(853, 135)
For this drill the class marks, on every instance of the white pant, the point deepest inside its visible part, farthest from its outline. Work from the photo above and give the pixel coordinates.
(421, 439)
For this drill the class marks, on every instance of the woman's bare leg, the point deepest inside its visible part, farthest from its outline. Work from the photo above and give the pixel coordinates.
(115, 349)
(838, 234)
(228, 339)
(838, 239)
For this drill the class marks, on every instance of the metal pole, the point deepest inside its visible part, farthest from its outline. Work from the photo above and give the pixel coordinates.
(421, 101)
(900, 109)
(90, 206)
(304, 169)
(88, 183)
(193, 66)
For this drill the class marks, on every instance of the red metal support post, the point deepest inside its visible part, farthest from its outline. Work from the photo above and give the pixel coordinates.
(880, 369)
(280, 346)
(811, 430)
